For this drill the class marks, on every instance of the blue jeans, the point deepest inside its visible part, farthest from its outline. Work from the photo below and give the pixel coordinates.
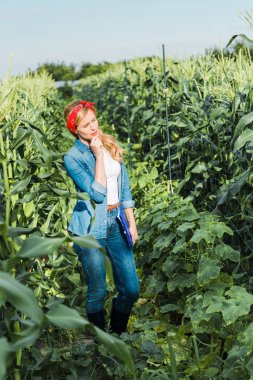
(123, 266)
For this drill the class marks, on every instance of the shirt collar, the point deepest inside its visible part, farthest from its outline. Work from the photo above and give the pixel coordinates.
(81, 146)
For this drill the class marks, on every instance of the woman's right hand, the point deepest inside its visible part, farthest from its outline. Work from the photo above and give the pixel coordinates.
(96, 146)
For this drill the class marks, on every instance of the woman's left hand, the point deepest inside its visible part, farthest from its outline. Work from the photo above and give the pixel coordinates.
(133, 232)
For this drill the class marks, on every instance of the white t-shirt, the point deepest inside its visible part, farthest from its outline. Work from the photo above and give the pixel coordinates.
(112, 171)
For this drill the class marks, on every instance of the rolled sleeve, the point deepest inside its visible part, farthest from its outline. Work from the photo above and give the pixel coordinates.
(128, 204)
(83, 180)
(126, 196)
(96, 186)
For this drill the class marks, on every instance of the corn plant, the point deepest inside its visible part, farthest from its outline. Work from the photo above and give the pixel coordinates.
(36, 200)
(195, 248)
(210, 121)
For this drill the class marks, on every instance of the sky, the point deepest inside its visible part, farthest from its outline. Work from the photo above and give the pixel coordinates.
(33, 32)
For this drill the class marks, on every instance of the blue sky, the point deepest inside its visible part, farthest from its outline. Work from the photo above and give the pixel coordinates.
(37, 31)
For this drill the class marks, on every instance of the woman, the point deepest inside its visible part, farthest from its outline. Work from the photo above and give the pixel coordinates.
(95, 164)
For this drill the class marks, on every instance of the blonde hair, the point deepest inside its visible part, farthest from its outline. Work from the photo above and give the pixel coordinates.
(108, 141)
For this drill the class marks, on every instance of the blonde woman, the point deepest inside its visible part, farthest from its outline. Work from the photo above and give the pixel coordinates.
(95, 164)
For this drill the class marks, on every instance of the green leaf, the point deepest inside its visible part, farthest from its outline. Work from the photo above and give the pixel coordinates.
(46, 176)
(109, 270)
(28, 208)
(66, 318)
(114, 345)
(67, 194)
(163, 241)
(21, 138)
(150, 347)
(208, 270)
(225, 252)
(180, 245)
(173, 363)
(235, 363)
(3, 229)
(239, 293)
(167, 308)
(38, 246)
(29, 197)
(155, 285)
(215, 289)
(181, 281)
(219, 229)
(178, 123)
(215, 304)
(164, 225)
(169, 266)
(234, 307)
(74, 278)
(82, 196)
(44, 228)
(85, 241)
(27, 337)
(2, 157)
(229, 190)
(189, 215)
(246, 338)
(244, 38)
(185, 226)
(245, 120)
(157, 219)
(153, 173)
(239, 304)
(199, 168)
(21, 297)
(182, 141)
(147, 115)
(197, 313)
(53, 301)
(17, 231)
(38, 140)
(249, 367)
(21, 185)
(201, 234)
(5, 351)
(246, 136)
(232, 310)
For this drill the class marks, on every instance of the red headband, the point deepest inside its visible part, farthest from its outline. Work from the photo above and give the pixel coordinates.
(71, 123)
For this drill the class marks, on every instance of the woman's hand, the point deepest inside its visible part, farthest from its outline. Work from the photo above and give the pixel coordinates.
(96, 146)
(133, 232)
(132, 224)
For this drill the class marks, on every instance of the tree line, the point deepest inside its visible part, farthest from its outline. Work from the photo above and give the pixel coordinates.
(61, 71)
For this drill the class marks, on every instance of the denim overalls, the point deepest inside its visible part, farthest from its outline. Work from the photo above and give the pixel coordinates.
(80, 165)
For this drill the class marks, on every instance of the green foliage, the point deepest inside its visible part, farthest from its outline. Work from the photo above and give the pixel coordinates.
(37, 199)
(210, 124)
(193, 319)
(186, 285)
(62, 72)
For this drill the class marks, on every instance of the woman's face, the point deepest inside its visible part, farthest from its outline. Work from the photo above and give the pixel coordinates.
(88, 127)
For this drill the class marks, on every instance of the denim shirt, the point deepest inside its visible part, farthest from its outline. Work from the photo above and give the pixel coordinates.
(80, 163)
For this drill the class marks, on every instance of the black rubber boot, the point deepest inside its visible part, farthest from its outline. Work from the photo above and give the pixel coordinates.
(118, 321)
(98, 319)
